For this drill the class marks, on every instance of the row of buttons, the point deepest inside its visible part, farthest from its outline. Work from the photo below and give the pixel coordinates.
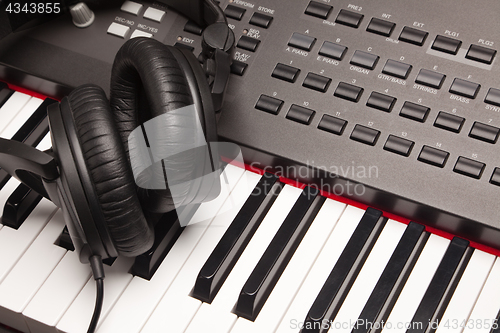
(151, 13)
(121, 30)
(369, 136)
(408, 34)
(257, 19)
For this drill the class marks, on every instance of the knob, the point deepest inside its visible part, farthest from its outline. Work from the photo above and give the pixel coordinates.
(82, 15)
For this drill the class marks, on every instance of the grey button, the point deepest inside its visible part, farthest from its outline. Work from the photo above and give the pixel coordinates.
(364, 59)
(433, 156)
(446, 44)
(285, 72)
(365, 134)
(316, 82)
(484, 132)
(332, 50)
(302, 42)
(380, 27)
(468, 167)
(481, 54)
(449, 122)
(348, 91)
(398, 145)
(269, 104)
(119, 30)
(414, 111)
(464, 88)
(430, 78)
(349, 18)
(154, 14)
(493, 97)
(381, 101)
(332, 124)
(140, 33)
(300, 114)
(131, 7)
(318, 9)
(397, 69)
(413, 36)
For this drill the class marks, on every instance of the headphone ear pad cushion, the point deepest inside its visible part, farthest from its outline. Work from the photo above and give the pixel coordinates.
(109, 171)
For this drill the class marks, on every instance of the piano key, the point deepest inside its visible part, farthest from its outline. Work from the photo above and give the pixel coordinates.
(368, 276)
(10, 186)
(487, 305)
(217, 316)
(416, 285)
(341, 278)
(296, 271)
(270, 267)
(19, 205)
(466, 293)
(320, 270)
(5, 93)
(20, 119)
(393, 278)
(29, 273)
(234, 241)
(146, 294)
(11, 108)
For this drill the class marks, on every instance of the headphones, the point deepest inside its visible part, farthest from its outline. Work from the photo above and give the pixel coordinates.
(88, 173)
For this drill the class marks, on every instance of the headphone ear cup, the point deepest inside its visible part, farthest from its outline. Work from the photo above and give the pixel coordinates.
(109, 171)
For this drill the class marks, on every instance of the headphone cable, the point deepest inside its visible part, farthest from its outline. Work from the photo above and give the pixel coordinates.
(98, 273)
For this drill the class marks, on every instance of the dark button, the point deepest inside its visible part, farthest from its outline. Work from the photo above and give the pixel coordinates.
(316, 82)
(285, 72)
(248, 43)
(380, 27)
(349, 18)
(234, 12)
(398, 145)
(332, 50)
(193, 28)
(302, 42)
(493, 97)
(414, 111)
(495, 177)
(449, 122)
(468, 167)
(300, 114)
(348, 91)
(413, 36)
(484, 132)
(187, 47)
(365, 135)
(464, 88)
(332, 124)
(238, 67)
(261, 20)
(318, 9)
(481, 54)
(364, 59)
(269, 104)
(397, 69)
(433, 156)
(381, 101)
(446, 44)
(430, 78)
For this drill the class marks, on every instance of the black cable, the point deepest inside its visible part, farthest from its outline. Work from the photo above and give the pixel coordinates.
(98, 272)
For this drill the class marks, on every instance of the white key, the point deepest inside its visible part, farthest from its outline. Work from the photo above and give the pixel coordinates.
(368, 276)
(217, 317)
(175, 318)
(21, 117)
(321, 269)
(416, 285)
(11, 108)
(295, 272)
(467, 292)
(45, 144)
(28, 275)
(144, 295)
(488, 304)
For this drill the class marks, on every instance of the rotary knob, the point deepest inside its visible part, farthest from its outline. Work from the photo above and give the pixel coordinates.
(82, 15)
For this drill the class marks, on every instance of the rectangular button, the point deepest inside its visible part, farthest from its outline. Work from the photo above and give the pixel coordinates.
(332, 50)
(481, 54)
(316, 82)
(118, 30)
(285, 72)
(468, 167)
(433, 156)
(495, 177)
(234, 12)
(484, 132)
(381, 101)
(332, 124)
(300, 114)
(364, 59)
(154, 14)
(464, 88)
(193, 28)
(349, 18)
(269, 104)
(397, 69)
(380, 27)
(131, 7)
(413, 36)
(414, 111)
(302, 42)
(238, 67)
(446, 44)
(261, 20)
(184, 46)
(365, 134)
(398, 145)
(318, 9)
(493, 97)
(348, 91)
(248, 43)
(140, 33)
(430, 78)
(449, 122)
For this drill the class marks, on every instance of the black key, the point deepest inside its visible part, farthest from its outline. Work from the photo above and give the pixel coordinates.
(65, 241)
(277, 255)
(5, 93)
(393, 278)
(19, 206)
(343, 275)
(442, 285)
(227, 252)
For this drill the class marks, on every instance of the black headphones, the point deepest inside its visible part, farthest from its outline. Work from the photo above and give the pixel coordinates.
(88, 173)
